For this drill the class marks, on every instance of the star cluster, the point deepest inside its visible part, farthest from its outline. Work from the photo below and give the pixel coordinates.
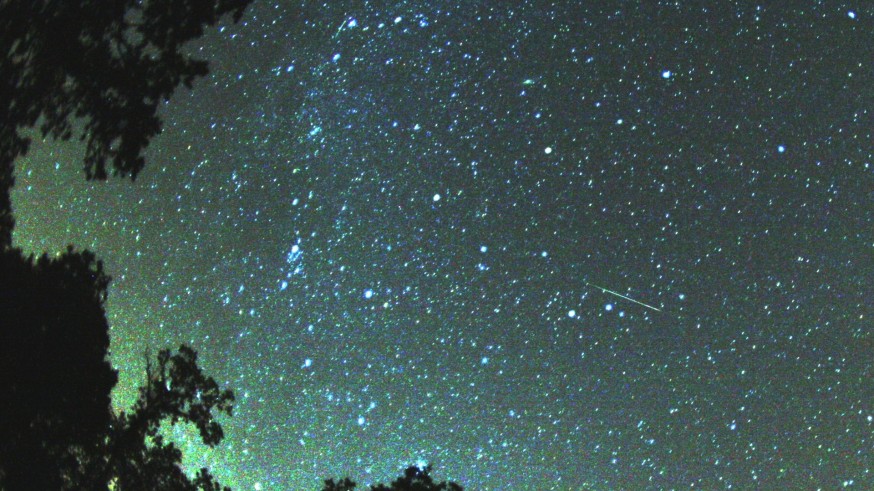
(378, 223)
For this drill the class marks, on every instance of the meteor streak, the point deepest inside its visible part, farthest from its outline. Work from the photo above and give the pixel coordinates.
(623, 296)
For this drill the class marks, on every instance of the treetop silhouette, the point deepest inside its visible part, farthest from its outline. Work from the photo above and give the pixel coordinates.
(176, 390)
(414, 479)
(57, 428)
(97, 70)
(55, 378)
(106, 65)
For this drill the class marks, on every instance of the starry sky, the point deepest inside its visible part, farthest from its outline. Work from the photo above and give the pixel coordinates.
(384, 225)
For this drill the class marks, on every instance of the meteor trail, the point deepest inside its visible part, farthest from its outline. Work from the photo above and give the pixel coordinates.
(623, 296)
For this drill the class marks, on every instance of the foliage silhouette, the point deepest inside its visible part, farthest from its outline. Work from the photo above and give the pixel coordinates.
(98, 70)
(105, 66)
(414, 479)
(176, 391)
(54, 374)
(57, 429)
(344, 484)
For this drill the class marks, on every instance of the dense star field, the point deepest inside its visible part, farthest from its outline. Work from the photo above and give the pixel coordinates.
(385, 226)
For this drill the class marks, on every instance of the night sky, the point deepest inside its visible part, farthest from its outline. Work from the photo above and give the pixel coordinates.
(384, 225)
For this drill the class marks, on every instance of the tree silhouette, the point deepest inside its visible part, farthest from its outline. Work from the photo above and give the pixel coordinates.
(57, 430)
(103, 65)
(55, 378)
(98, 70)
(345, 484)
(176, 390)
(414, 479)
